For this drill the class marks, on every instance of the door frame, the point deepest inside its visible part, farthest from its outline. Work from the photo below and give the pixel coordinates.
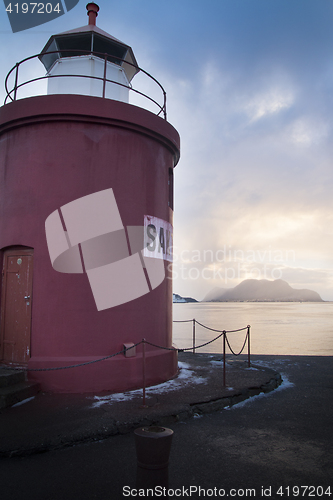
(11, 250)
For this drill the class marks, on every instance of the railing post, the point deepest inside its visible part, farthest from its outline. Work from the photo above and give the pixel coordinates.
(16, 81)
(193, 336)
(164, 105)
(144, 372)
(104, 76)
(248, 346)
(224, 334)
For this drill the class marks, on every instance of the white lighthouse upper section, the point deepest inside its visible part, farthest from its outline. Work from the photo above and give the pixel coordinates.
(81, 61)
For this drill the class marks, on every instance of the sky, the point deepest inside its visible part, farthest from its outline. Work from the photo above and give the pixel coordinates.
(249, 89)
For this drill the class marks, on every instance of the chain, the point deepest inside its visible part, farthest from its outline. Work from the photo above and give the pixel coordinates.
(224, 332)
(242, 349)
(70, 366)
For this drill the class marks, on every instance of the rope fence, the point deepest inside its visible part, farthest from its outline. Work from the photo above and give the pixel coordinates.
(144, 342)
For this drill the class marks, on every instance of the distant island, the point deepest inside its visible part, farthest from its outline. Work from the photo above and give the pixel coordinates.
(177, 298)
(252, 290)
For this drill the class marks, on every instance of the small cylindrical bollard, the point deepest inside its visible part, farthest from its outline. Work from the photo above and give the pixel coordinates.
(153, 445)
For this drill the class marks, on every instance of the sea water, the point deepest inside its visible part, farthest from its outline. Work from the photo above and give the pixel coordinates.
(277, 328)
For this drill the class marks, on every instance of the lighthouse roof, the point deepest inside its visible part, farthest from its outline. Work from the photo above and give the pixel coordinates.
(86, 29)
(85, 40)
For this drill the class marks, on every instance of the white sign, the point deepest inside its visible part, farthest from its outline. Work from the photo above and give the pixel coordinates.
(158, 238)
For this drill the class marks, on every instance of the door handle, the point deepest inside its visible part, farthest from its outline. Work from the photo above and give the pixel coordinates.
(27, 297)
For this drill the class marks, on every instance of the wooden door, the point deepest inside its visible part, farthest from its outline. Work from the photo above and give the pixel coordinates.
(16, 295)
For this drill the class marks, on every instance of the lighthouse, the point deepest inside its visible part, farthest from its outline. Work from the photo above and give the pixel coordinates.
(89, 54)
(86, 213)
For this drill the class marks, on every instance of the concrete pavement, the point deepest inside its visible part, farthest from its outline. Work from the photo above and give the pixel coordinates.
(53, 421)
(275, 445)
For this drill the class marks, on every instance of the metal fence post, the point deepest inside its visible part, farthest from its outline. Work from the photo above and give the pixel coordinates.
(104, 76)
(164, 105)
(16, 81)
(193, 336)
(144, 372)
(224, 334)
(248, 346)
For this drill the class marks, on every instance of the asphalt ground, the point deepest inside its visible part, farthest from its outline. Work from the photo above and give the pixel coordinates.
(53, 421)
(277, 444)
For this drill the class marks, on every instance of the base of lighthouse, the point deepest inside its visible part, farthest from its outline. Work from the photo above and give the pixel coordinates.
(54, 150)
(117, 374)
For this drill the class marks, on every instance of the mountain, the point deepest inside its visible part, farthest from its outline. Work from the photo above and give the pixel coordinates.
(262, 291)
(178, 298)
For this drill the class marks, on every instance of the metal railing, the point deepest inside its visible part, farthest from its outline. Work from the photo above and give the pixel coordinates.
(11, 94)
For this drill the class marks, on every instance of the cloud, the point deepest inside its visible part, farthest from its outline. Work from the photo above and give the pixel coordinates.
(268, 103)
(307, 131)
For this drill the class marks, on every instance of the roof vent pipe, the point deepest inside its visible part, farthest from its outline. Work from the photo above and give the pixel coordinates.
(92, 9)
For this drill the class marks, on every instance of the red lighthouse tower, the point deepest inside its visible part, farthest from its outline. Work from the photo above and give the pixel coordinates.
(86, 205)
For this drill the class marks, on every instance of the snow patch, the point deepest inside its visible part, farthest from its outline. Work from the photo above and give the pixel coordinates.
(181, 364)
(286, 384)
(218, 363)
(185, 377)
(270, 364)
(23, 401)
